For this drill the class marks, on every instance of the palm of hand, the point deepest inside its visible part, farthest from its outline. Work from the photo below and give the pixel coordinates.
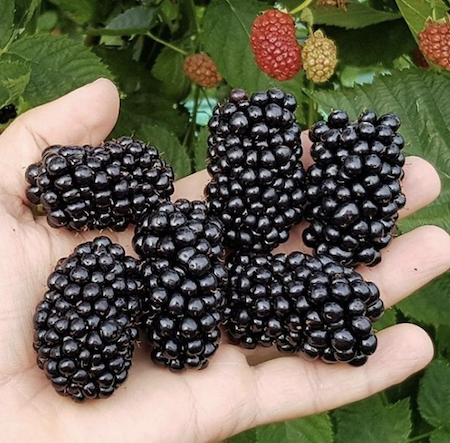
(240, 389)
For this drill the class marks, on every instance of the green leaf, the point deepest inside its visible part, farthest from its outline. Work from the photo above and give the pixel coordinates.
(359, 15)
(389, 319)
(312, 429)
(169, 147)
(80, 11)
(431, 304)
(130, 74)
(371, 421)
(201, 149)
(440, 436)
(25, 10)
(142, 109)
(14, 78)
(47, 21)
(363, 47)
(168, 69)
(434, 394)
(6, 21)
(226, 31)
(137, 20)
(245, 437)
(442, 341)
(416, 12)
(58, 65)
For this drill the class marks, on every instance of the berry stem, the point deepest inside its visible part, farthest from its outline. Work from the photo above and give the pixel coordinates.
(167, 44)
(302, 6)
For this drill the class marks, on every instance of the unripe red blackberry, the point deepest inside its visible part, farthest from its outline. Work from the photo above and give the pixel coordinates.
(109, 186)
(184, 280)
(257, 177)
(87, 324)
(274, 44)
(302, 303)
(354, 191)
(434, 42)
(201, 69)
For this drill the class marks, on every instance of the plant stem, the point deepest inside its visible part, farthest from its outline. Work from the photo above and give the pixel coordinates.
(420, 437)
(194, 15)
(167, 44)
(311, 104)
(187, 141)
(302, 6)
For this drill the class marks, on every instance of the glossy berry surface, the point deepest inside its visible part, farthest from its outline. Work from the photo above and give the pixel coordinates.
(184, 280)
(434, 42)
(354, 190)
(7, 113)
(109, 186)
(86, 326)
(274, 44)
(201, 69)
(257, 177)
(302, 303)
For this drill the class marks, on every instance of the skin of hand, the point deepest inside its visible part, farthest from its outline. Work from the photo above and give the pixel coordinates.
(240, 389)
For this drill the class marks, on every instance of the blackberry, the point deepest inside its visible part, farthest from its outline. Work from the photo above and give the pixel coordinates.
(185, 280)
(354, 190)
(7, 113)
(86, 326)
(302, 303)
(109, 186)
(257, 177)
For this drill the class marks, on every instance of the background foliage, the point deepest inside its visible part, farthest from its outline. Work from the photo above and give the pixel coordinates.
(50, 47)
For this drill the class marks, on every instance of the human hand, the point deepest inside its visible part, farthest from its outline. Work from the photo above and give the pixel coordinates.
(240, 389)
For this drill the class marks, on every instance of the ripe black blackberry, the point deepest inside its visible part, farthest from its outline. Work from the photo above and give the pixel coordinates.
(354, 190)
(7, 113)
(257, 177)
(109, 186)
(302, 303)
(87, 325)
(184, 279)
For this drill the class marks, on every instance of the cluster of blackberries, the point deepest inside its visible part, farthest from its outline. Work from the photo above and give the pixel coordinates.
(353, 189)
(257, 177)
(87, 325)
(7, 113)
(181, 289)
(184, 281)
(109, 186)
(302, 303)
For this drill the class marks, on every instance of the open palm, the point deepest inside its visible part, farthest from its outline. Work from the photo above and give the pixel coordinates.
(240, 389)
